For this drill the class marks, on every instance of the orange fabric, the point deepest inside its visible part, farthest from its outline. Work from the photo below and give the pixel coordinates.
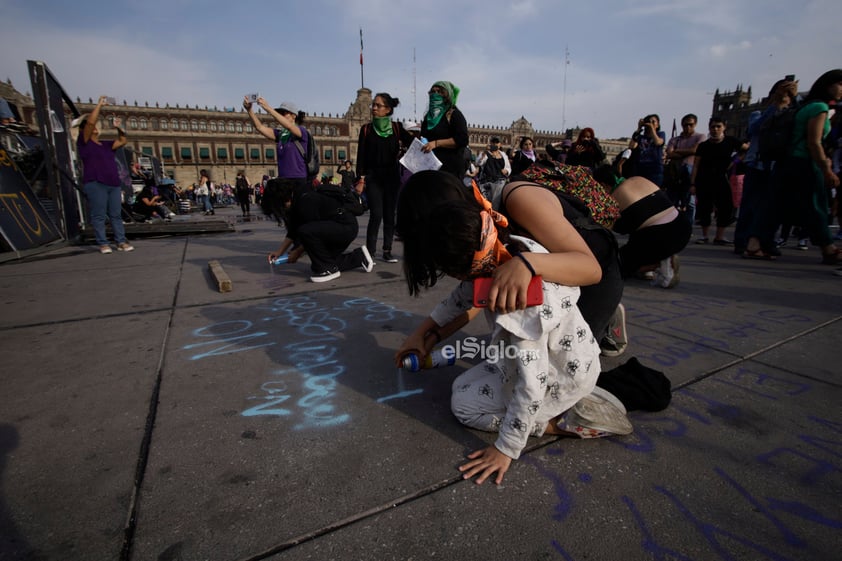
(491, 252)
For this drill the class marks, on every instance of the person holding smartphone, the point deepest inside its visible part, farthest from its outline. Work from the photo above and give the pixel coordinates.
(550, 361)
(647, 145)
(101, 178)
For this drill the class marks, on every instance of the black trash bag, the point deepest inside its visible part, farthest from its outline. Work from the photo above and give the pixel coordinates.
(637, 386)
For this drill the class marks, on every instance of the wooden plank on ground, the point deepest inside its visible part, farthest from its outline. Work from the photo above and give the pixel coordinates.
(223, 281)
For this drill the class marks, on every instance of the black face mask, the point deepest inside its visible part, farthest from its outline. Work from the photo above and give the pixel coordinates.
(494, 147)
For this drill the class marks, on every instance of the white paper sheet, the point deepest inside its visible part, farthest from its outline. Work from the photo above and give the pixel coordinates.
(416, 160)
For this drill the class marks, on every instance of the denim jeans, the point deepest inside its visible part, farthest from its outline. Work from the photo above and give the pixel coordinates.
(104, 202)
(204, 200)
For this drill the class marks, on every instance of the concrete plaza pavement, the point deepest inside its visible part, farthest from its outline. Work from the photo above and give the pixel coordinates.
(144, 415)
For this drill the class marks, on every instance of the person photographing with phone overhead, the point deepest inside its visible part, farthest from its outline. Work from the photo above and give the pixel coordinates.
(647, 146)
(101, 178)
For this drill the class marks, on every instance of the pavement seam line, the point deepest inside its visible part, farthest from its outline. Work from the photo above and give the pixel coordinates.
(146, 442)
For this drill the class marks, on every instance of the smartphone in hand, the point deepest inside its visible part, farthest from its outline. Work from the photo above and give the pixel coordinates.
(534, 294)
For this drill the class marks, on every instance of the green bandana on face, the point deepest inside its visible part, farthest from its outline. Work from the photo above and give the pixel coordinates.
(438, 105)
(436, 110)
(382, 126)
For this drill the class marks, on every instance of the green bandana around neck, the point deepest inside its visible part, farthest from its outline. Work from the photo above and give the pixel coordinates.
(285, 134)
(382, 126)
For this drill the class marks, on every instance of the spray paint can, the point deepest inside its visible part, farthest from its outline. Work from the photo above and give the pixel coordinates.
(281, 259)
(435, 359)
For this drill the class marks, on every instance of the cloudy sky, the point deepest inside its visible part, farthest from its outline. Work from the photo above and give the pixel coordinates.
(626, 58)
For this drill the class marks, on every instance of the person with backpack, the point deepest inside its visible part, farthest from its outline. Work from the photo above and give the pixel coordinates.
(757, 182)
(551, 359)
(318, 224)
(494, 169)
(241, 190)
(378, 150)
(293, 144)
(446, 130)
(806, 173)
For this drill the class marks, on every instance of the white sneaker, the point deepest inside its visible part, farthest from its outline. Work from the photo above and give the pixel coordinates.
(368, 262)
(596, 415)
(667, 274)
(105, 249)
(125, 246)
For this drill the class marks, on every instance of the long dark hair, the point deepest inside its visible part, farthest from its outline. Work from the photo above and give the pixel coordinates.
(392, 102)
(820, 88)
(276, 194)
(439, 223)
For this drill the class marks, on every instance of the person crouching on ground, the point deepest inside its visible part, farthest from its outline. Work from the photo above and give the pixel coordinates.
(317, 224)
(445, 232)
(657, 229)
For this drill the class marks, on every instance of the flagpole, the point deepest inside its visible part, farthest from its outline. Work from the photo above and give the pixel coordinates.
(564, 91)
(362, 80)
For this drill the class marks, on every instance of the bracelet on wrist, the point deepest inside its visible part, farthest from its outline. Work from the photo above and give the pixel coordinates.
(525, 262)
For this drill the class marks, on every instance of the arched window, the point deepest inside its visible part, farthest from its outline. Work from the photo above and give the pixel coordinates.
(230, 126)
(184, 125)
(174, 124)
(203, 126)
(194, 125)
(132, 122)
(213, 126)
(249, 127)
(239, 127)
(154, 123)
(164, 124)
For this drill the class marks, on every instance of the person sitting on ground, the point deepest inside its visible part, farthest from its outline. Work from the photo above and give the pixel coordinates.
(148, 203)
(556, 364)
(316, 223)
(657, 230)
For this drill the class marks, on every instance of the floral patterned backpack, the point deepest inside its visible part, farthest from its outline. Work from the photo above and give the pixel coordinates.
(576, 182)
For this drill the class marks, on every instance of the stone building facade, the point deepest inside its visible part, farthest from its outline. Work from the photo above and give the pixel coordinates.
(223, 141)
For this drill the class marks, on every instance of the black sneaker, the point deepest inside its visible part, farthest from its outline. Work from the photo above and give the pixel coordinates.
(325, 276)
(389, 258)
(614, 342)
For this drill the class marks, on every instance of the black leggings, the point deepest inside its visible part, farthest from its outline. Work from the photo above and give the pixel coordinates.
(649, 245)
(381, 191)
